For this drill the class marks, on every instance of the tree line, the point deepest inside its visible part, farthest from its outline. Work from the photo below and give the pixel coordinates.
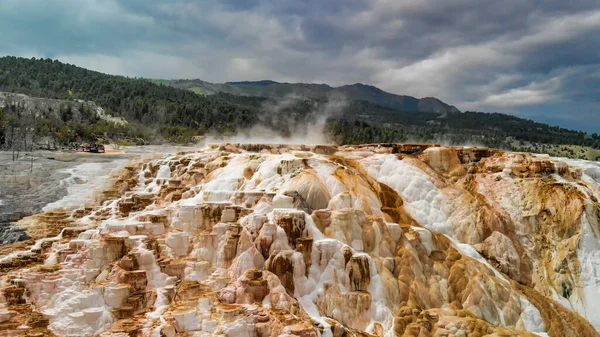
(159, 113)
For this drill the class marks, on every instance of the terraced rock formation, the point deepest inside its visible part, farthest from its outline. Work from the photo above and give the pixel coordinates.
(283, 240)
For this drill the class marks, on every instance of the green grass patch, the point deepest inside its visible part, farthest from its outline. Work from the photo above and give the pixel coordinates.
(196, 90)
(594, 154)
(556, 150)
(161, 81)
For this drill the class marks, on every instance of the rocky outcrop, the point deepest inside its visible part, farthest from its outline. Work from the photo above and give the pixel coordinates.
(284, 240)
(51, 108)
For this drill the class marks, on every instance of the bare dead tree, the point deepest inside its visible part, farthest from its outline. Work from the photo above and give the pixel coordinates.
(19, 128)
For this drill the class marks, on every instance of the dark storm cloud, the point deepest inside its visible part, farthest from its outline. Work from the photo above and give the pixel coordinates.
(537, 59)
(55, 27)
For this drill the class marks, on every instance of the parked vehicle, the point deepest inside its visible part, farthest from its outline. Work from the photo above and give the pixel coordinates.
(94, 148)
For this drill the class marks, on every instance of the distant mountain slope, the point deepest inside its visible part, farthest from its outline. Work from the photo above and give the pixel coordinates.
(358, 91)
(162, 111)
(133, 99)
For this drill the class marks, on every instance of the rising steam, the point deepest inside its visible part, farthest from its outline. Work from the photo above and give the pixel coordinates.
(311, 130)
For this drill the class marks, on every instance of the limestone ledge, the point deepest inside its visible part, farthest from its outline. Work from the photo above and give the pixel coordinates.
(294, 240)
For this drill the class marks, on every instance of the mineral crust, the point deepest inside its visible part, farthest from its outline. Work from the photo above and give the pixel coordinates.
(284, 240)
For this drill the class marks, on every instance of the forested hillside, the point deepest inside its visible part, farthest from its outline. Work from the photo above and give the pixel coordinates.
(272, 89)
(158, 112)
(490, 129)
(132, 99)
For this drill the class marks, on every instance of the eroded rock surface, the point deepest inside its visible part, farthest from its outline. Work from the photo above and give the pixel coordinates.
(281, 240)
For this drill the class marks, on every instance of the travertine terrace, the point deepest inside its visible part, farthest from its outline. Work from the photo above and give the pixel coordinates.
(283, 240)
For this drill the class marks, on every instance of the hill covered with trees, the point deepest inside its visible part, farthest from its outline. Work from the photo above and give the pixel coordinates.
(272, 89)
(132, 99)
(159, 112)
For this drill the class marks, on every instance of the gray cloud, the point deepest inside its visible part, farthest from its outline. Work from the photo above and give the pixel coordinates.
(537, 59)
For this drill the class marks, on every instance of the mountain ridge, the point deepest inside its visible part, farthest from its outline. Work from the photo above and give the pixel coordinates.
(356, 91)
(159, 112)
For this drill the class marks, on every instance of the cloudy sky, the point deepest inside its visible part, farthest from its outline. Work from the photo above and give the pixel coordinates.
(533, 58)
